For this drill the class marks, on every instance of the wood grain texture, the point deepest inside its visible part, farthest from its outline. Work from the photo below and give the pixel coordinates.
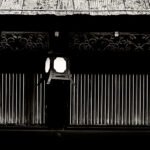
(11, 6)
(65, 7)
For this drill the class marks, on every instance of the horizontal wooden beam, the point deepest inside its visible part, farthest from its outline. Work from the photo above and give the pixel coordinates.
(70, 7)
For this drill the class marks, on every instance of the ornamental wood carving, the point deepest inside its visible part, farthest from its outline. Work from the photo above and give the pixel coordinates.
(107, 42)
(24, 41)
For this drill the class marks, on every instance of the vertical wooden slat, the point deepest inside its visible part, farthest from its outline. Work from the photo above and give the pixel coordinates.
(2, 98)
(77, 89)
(122, 101)
(126, 101)
(140, 103)
(76, 102)
(81, 99)
(13, 97)
(115, 100)
(40, 112)
(136, 101)
(143, 108)
(98, 99)
(102, 87)
(74, 99)
(9, 98)
(6, 99)
(108, 101)
(23, 99)
(129, 100)
(37, 99)
(118, 106)
(40, 100)
(34, 101)
(105, 99)
(70, 103)
(91, 99)
(133, 99)
(112, 99)
(44, 104)
(95, 97)
(88, 99)
(16, 100)
(19, 99)
(147, 100)
(84, 103)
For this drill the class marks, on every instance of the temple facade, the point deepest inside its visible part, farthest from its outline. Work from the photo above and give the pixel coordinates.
(74, 68)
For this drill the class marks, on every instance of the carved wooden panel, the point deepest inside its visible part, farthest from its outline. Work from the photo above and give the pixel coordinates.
(109, 42)
(19, 41)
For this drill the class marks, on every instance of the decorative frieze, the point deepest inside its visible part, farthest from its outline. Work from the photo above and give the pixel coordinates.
(109, 42)
(19, 41)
